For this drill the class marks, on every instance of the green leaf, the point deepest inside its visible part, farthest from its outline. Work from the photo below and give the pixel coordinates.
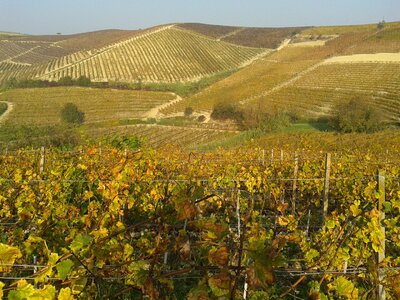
(79, 242)
(64, 268)
(22, 292)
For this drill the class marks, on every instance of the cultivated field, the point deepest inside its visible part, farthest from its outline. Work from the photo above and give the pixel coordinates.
(275, 81)
(43, 106)
(317, 92)
(160, 136)
(243, 36)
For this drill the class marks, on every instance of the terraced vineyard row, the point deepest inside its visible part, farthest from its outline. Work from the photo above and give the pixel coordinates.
(42, 106)
(161, 136)
(315, 93)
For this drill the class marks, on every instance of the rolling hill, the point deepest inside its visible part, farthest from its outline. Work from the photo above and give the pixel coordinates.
(161, 54)
(245, 36)
(307, 77)
(303, 71)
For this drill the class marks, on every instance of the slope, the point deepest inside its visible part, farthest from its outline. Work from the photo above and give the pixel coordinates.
(276, 82)
(245, 36)
(165, 54)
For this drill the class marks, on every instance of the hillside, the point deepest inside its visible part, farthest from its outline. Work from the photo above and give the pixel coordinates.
(32, 50)
(43, 106)
(164, 54)
(245, 36)
(308, 78)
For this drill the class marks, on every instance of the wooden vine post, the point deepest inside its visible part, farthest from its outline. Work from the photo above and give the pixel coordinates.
(42, 160)
(294, 186)
(381, 293)
(326, 187)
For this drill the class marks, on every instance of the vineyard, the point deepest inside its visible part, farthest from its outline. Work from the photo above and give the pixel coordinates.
(243, 36)
(266, 74)
(317, 92)
(43, 106)
(157, 136)
(103, 223)
(308, 82)
(165, 54)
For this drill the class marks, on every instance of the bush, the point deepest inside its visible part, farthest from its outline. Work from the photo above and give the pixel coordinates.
(70, 114)
(3, 108)
(357, 116)
(188, 111)
(227, 112)
(201, 118)
(66, 81)
(83, 81)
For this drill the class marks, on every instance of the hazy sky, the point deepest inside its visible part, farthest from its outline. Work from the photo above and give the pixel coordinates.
(71, 16)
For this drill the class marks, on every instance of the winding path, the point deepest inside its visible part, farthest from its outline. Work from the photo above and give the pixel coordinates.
(156, 111)
(10, 107)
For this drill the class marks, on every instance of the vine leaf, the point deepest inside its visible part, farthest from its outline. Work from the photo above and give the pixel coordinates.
(8, 255)
(27, 291)
(65, 294)
(64, 268)
(344, 288)
(79, 242)
(1, 289)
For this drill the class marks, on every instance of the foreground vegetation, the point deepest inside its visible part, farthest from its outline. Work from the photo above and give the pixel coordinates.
(103, 223)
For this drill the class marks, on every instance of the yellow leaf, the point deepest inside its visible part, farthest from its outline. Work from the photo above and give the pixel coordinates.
(8, 255)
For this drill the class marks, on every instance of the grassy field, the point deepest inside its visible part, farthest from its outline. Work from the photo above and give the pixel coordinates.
(43, 106)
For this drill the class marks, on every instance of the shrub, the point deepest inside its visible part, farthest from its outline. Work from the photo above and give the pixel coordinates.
(357, 116)
(3, 108)
(188, 111)
(70, 114)
(83, 81)
(201, 118)
(66, 81)
(227, 112)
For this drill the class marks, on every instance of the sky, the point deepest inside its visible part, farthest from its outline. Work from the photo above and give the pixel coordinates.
(74, 16)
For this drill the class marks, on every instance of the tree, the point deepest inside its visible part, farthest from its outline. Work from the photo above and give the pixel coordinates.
(381, 25)
(357, 116)
(224, 112)
(188, 111)
(70, 114)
